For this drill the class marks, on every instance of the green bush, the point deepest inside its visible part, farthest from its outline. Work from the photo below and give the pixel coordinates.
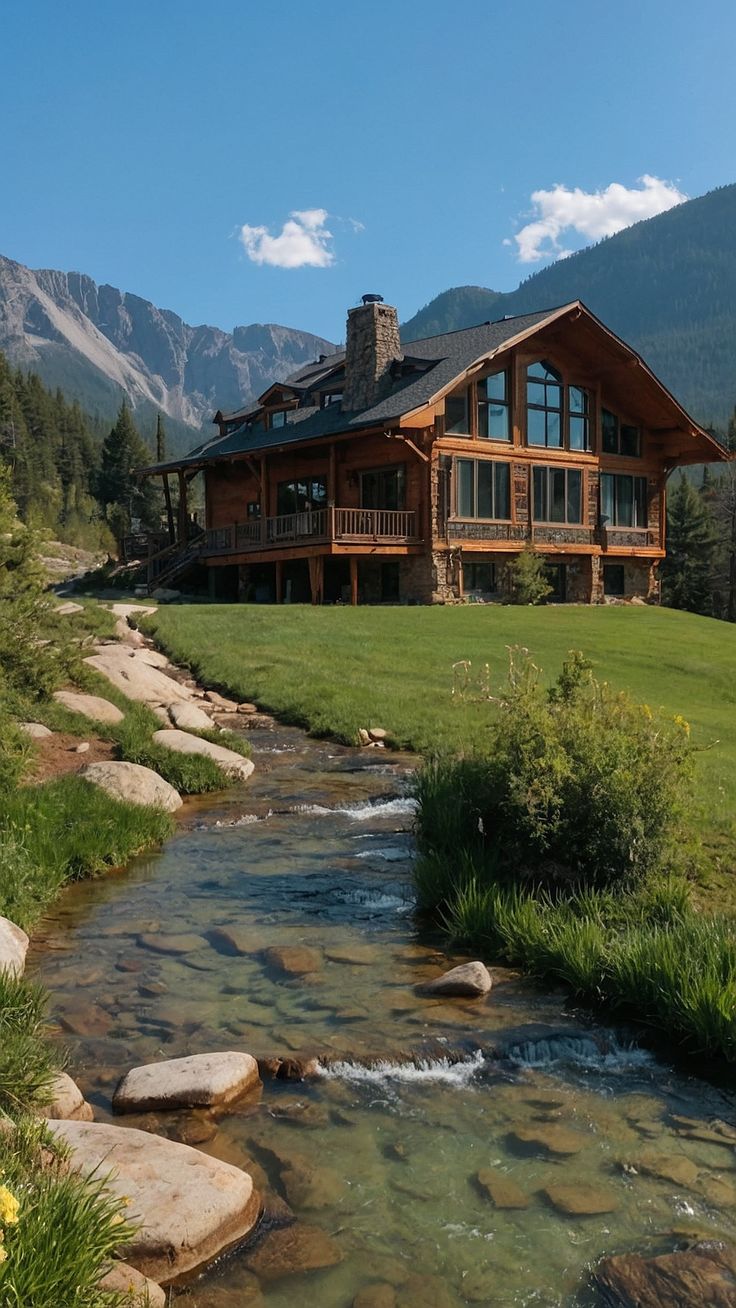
(577, 785)
(526, 578)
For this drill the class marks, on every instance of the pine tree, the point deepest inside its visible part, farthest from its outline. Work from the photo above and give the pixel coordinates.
(687, 570)
(731, 432)
(125, 497)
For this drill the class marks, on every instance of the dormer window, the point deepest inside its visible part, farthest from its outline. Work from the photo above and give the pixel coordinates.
(330, 398)
(278, 418)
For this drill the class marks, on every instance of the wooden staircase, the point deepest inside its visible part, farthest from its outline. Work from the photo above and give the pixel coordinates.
(170, 564)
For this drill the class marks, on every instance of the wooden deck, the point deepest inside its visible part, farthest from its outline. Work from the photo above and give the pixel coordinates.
(330, 526)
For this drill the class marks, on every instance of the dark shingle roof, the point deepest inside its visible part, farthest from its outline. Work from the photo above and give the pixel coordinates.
(450, 355)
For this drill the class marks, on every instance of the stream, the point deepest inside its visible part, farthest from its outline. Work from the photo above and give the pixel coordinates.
(415, 1096)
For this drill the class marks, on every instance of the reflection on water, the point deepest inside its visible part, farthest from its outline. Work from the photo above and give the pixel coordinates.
(441, 1140)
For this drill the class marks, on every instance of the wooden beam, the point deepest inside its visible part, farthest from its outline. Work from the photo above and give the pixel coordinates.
(183, 510)
(316, 577)
(332, 476)
(169, 509)
(407, 441)
(279, 580)
(353, 579)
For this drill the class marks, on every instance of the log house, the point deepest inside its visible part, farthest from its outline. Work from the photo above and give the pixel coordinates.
(413, 472)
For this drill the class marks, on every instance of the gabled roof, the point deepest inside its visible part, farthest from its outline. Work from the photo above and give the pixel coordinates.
(444, 361)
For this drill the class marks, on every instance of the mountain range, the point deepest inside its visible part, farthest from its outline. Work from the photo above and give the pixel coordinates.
(667, 286)
(98, 344)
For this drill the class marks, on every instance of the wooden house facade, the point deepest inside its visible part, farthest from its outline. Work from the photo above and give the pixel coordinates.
(413, 472)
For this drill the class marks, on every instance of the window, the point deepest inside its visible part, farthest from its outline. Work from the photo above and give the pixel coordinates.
(578, 404)
(558, 495)
(493, 407)
(332, 397)
(383, 488)
(278, 419)
(613, 579)
(297, 496)
(623, 500)
(557, 577)
(457, 416)
(479, 576)
(619, 437)
(483, 489)
(252, 509)
(543, 405)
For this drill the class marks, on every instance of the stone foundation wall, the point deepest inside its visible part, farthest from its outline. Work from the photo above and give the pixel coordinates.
(641, 580)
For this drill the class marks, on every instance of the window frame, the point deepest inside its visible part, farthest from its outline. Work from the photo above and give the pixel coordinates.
(475, 463)
(465, 398)
(559, 470)
(399, 469)
(486, 403)
(637, 501)
(556, 382)
(621, 426)
(294, 483)
(476, 561)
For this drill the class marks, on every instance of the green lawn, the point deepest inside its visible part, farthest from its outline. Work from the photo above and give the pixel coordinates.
(334, 670)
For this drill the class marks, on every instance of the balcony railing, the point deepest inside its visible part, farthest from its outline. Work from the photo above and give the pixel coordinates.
(314, 526)
(610, 538)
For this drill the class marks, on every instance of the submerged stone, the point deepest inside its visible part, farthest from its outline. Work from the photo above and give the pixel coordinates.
(293, 960)
(124, 1279)
(185, 943)
(675, 1168)
(502, 1190)
(380, 1295)
(291, 1251)
(554, 1139)
(581, 1200)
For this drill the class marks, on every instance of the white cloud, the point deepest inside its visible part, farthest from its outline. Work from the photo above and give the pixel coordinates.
(592, 214)
(303, 242)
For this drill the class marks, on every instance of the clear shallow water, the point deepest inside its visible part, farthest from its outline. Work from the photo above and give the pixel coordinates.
(415, 1096)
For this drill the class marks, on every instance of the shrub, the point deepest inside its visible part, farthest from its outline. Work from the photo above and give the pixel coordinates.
(577, 786)
(526, 579)
(190, 774)
(27, 1063)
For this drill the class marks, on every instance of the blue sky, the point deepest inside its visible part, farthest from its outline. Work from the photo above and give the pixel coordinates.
(163, 146)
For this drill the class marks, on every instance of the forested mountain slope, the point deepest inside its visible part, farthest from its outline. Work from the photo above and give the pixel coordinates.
(667, 286)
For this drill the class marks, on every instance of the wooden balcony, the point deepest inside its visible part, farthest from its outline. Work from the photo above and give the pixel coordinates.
(330, 526)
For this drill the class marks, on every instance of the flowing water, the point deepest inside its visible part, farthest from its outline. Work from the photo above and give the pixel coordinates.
(415, 1096)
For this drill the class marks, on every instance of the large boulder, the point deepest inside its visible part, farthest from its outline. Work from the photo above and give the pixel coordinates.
(200, 1081)
(471, 980)
(136, 678)
(134, 784)
(90, 706)
(13, 947)
(188, 1207)
(704, 1274)
(181, 742)
(68, 1104)
(190, 717)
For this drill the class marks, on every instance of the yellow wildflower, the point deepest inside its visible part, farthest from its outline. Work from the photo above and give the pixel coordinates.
(8, 1206)
(3, 1254)
(680, 721)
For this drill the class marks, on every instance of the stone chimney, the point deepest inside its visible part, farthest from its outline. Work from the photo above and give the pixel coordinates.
(372, 346)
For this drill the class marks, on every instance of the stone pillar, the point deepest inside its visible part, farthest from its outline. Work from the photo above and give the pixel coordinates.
(372, 346)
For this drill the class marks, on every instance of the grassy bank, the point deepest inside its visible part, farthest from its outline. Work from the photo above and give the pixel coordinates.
(334, 670)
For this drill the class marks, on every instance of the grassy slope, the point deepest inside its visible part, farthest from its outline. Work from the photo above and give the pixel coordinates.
(334, 670)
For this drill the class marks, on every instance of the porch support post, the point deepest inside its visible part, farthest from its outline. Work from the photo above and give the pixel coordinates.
(353, 579)
(316, 577)
(264, 499)
(183, 512)
(169, 509)
(331, 476)
(279, 581)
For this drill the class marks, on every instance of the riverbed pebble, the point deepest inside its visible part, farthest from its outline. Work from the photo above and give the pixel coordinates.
(293, 960)
(502, 1190)
(200, 1081)
(189, 1207)
(552, 1139)
(581, 1200)
(291, 1251)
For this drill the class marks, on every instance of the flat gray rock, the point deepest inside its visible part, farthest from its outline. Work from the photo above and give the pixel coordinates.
(68, 609)
(232, 764)
(13, 947)
(36, 730)
(68, 1103)
(133, 783)
(90, 706)
(128, 672)
(469, 979)
(200, 1081)
(189, 1207)
(190, 717)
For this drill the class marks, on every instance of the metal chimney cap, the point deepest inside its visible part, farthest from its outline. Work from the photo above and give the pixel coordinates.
(372, 299)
